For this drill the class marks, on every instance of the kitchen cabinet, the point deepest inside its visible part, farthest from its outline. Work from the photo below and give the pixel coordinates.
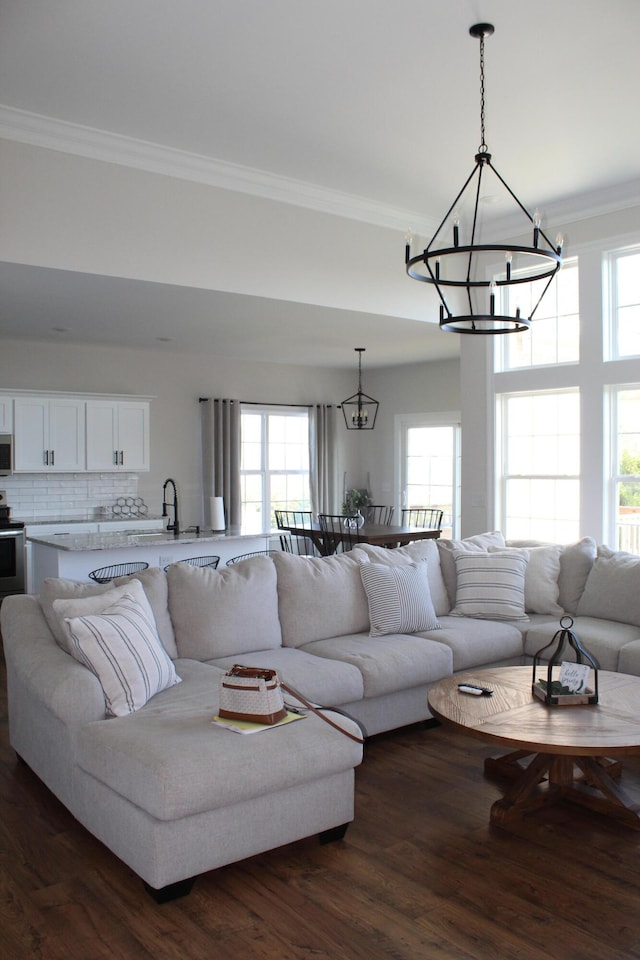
(6, 415)
(49, 435)
(118, 435)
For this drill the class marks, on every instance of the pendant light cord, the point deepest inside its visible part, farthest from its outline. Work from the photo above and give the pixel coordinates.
(483, 146)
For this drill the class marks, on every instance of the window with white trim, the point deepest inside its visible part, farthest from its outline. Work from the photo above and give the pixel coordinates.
(625, 460)
(554, 336)
(539, 436)
(430, 465)
(274, 466)
(624, 306)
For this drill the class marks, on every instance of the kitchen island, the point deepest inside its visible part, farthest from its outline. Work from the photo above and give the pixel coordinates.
(74, 556)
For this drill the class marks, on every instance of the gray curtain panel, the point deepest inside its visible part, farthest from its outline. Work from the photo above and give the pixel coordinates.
(220, 423)
(322, 458)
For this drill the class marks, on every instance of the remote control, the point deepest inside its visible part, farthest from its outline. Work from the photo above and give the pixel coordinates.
(474, 690)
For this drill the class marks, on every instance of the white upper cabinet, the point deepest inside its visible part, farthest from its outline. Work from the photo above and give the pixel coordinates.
(6, 415)
(118, 435)
(49, 435)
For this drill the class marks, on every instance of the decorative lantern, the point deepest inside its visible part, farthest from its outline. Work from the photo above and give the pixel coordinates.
(566, 682)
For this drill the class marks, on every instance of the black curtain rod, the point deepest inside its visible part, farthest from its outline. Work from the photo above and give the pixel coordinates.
(256, 403)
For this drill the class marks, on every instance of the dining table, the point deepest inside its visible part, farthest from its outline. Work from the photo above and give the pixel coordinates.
(380, 534)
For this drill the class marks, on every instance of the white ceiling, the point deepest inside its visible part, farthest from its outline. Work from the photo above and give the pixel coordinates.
(374, 100)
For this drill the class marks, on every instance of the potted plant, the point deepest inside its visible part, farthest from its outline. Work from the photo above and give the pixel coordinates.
(355, 500)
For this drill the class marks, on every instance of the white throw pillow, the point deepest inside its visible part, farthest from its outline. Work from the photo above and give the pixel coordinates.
(541, 579)
(490, 586)
(398, 597)
(412, 553)
(479, 543)
(121, 647)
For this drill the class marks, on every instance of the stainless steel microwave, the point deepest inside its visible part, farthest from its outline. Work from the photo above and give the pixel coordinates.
(6, 454)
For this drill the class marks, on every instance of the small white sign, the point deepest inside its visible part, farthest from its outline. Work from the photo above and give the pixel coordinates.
(574, 676)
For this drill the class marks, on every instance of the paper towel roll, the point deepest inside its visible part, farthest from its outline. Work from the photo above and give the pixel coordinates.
(217, 513)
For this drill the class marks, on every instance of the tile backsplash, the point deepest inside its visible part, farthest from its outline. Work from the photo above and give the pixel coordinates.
(65, 495)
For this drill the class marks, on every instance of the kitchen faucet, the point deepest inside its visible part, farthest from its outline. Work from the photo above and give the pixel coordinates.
(175, 525)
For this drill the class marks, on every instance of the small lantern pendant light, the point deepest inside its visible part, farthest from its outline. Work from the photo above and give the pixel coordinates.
(465, 265)
(360, 411)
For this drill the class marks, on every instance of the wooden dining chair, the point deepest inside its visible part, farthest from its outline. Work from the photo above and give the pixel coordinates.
(295, 543)
(428, 517)
(377, 513)
(338, 533)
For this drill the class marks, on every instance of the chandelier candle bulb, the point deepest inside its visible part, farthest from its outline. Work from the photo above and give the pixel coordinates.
(437, 268)
(536, 228)
(508, 258)
(456, 230)
(492, 298)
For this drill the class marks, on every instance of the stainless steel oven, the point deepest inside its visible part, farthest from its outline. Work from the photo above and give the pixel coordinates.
(11, 557)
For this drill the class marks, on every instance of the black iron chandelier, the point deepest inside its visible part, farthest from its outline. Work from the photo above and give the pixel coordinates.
(360, 411)
(479, 270)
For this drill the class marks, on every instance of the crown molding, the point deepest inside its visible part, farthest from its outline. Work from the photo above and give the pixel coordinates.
(94, 144)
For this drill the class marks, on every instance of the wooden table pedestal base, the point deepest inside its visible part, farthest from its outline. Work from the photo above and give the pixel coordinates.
(547, 778)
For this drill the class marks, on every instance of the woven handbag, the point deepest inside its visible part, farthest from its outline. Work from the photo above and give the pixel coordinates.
(251, 693)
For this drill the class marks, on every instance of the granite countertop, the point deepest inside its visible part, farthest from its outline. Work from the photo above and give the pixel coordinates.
(112, 541)
(84, 518)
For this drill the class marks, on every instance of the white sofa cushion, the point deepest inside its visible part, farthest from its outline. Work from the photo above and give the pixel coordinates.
(479, 543)
(170, 760)
(398, 597)
(541, 578)
(228, 612)
(412, 553)
(490, 586)
(388, 664)
(320, 597)
(121, 647)
(329, 682)
(153, 580)
(612, 590)
(604, 639)
(477, 643)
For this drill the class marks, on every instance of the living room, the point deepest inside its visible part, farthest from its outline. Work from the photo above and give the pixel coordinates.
(139, 261)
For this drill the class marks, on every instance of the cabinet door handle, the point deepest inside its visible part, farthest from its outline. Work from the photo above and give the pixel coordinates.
(46, 458)
(115, 458)
(53, 458)
(122, 458)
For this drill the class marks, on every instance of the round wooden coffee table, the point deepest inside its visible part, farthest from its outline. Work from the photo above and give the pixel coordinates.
(567, 753)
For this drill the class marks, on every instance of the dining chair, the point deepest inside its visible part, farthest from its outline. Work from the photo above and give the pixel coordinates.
(428, 517)
(294, 543)
(376, 513)
(338, 532)
(106, 574)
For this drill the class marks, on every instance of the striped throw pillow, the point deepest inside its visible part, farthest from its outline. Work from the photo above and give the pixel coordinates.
(399, 598)
(121, 647)
(490, 586)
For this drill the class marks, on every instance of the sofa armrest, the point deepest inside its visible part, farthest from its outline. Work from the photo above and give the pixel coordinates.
(37, 668)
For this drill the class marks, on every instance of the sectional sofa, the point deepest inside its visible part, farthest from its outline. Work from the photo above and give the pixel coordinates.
(112, 689)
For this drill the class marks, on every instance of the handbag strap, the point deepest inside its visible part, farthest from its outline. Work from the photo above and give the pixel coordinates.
(318, 712)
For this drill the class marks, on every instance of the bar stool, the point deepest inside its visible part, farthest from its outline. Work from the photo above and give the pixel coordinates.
(255, 553)
(210, 561)
(105, 574)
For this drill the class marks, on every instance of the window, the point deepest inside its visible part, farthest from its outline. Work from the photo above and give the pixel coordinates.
(431, 469)
(555, 329)
(625, 433)
(274, 465)
(624, 308)
(540, 453)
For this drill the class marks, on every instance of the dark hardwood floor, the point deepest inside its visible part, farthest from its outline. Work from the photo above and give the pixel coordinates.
(420, 875)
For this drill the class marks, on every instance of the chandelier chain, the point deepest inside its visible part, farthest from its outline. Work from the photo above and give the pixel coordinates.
(483, 145)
